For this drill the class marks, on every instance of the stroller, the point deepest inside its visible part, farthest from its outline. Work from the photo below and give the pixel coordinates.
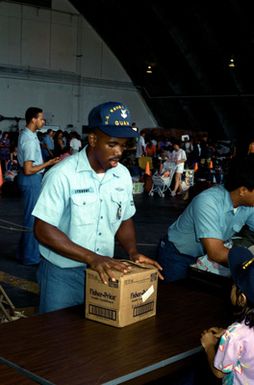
(161, 183)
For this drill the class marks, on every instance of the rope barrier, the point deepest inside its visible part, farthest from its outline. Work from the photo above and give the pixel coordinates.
(14, 226)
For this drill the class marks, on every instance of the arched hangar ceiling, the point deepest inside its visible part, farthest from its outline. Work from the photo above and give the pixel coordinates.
(189, 46)
(201, 55)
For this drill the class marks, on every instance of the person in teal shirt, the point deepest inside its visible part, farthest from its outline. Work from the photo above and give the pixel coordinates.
(86, 201)
(209, 221)
(29, 179)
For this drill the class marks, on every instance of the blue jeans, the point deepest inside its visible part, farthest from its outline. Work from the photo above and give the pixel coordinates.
(30, 187)
(60, 287)
(175, 265)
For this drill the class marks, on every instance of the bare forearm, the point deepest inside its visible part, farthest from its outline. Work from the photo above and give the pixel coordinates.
(30, 169)
(216, 250)
(34, 169)
(220, 256)
(210, 352)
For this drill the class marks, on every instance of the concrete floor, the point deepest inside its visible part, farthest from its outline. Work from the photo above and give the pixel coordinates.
(152, 218)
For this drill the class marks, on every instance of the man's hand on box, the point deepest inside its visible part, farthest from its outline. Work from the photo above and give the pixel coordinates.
(140, 258)
(105, 265)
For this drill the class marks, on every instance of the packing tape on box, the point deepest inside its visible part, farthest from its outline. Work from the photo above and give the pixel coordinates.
(148, 293)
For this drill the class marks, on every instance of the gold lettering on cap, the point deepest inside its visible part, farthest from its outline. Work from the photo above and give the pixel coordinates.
(121, 123)
(115, 108)
(106, 119)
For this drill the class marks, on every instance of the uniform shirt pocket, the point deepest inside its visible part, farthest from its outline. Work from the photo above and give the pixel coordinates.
(83, 209)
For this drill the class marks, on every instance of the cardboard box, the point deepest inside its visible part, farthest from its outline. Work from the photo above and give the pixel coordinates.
(131, 298)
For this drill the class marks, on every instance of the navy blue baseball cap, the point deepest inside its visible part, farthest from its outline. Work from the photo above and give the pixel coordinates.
(114, 119)
(241, 264)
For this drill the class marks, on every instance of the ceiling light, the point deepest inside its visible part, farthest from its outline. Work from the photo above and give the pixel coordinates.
(149, 70)
(231, 63)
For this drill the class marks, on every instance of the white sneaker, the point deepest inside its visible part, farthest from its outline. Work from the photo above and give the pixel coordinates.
(173, 193)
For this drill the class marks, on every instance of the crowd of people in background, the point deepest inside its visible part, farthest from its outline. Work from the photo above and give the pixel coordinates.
(208, 158)
(53, 144)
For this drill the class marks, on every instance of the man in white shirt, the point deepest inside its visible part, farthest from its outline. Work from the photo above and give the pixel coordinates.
(141, 145)
(179, 158)
(75, 142)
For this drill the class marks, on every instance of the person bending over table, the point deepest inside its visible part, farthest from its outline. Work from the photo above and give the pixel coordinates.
(209, 221)
(85, 201)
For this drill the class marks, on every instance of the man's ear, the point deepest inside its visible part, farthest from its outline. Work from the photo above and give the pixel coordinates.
(92, 139)
(242, 191)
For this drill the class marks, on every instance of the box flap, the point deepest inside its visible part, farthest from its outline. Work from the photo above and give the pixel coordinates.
(137, 264)
(135, 268)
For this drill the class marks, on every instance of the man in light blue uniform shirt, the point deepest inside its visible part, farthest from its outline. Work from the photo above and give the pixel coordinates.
(86, 201)
(209, 221)
(29, 181)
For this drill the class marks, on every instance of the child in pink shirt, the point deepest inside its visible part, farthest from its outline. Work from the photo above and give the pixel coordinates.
(233, 361)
